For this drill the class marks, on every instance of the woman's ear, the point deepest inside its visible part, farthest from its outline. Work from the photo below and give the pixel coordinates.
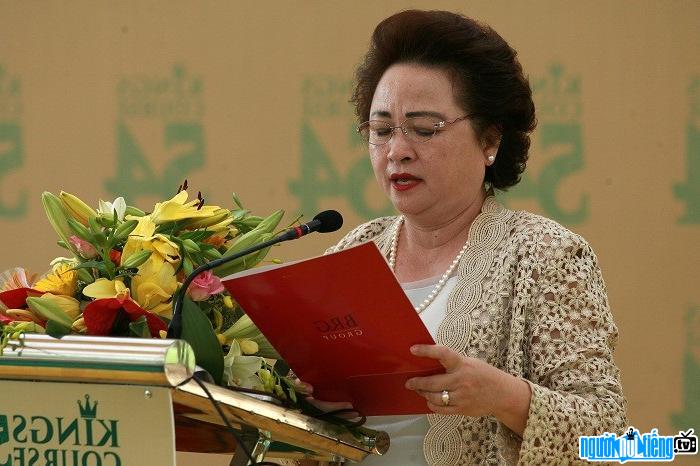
(490, 142)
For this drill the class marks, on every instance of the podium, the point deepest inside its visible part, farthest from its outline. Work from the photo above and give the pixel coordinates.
(119, 401)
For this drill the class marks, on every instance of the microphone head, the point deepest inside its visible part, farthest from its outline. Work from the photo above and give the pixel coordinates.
(331, 220)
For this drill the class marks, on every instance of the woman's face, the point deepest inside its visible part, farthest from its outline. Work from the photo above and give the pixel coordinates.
(433, 180)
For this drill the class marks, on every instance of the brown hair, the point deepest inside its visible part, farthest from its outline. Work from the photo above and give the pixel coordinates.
(489, 78)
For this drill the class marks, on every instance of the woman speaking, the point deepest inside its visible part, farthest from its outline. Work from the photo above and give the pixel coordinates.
(515, 301)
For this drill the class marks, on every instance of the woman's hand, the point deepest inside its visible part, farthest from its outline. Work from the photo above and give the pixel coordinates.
(326, 406)
(473, 388)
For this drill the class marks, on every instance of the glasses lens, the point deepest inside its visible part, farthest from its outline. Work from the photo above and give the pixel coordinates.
(420, 129)
(375, 132)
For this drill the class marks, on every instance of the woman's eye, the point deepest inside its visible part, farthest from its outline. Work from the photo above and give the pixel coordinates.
(424, 131)
(381, 131)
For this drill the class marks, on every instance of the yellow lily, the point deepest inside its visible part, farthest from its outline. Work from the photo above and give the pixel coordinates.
(79, 326)
(153, 286)
(143, 238)
(165, 248)
(62, 280)
(144, 229)
(178, 208)
(104, 288)
(217, 221)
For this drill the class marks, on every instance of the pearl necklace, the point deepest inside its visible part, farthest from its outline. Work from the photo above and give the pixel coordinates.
(440, 284)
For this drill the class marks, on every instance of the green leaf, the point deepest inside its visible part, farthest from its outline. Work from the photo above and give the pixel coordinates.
(198, 332)
(56, 330)
(139, 328)
(199, 235)
(237, 201)
(281, 367)
(88, 265)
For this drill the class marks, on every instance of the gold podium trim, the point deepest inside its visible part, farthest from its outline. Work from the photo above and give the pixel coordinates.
(327, 441)
(170, 363)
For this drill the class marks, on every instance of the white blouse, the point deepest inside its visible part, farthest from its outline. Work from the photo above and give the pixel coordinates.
(407, 432)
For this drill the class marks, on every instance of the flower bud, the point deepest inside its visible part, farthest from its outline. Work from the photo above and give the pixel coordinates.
(136, 259)
(79, 229)
(58, 217)
(123, 230)
(248, 346)
(85, 248)
(85, 276)
(134, 211)
(79, 210)
(190, 246)
(211, 254)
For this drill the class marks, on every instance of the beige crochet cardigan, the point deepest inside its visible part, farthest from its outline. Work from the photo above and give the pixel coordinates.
(531, 301)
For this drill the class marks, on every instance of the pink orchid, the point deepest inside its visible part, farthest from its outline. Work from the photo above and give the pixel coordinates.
(205, 285)
(86, 250)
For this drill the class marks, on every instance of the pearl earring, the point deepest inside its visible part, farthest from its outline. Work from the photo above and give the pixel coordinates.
(491, 159)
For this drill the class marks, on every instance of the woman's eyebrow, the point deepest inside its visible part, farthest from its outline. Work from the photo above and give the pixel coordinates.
(424, 113)
(380, 113)
(420, 113)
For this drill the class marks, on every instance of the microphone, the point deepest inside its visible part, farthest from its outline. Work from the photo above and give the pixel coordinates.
(325, 222)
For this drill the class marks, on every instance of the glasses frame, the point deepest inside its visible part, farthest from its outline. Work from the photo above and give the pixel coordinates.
(439, 126)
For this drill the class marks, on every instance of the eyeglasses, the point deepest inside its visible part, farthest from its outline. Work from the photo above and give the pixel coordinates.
(418, 129)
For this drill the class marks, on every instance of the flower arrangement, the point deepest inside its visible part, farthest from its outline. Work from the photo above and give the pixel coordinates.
(126, 266)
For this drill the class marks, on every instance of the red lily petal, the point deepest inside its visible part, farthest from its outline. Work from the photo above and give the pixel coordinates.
(17, 298)
(99, 316)
(155, 324)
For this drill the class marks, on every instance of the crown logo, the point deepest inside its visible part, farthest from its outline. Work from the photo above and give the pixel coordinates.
(558, 95)
(630, 434)
(177, 95)
(10, 105)
(87, 411)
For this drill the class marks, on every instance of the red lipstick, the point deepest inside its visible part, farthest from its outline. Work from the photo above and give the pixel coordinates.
(404, 181)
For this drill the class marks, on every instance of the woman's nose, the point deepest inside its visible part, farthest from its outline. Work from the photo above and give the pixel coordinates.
(399, 147)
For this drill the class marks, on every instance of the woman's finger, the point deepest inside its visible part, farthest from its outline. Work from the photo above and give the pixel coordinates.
(327, 406)
(449, 359)
(433, 383)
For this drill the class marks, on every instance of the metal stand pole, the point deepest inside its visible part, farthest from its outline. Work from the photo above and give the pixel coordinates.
(255, 441)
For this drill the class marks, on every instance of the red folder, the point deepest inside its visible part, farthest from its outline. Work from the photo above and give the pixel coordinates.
(344, 325)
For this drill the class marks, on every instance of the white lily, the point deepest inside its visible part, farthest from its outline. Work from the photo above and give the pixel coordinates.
(240, 370)
(108, 208)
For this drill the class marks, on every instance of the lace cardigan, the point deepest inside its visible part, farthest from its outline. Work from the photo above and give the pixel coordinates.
(531, 301)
